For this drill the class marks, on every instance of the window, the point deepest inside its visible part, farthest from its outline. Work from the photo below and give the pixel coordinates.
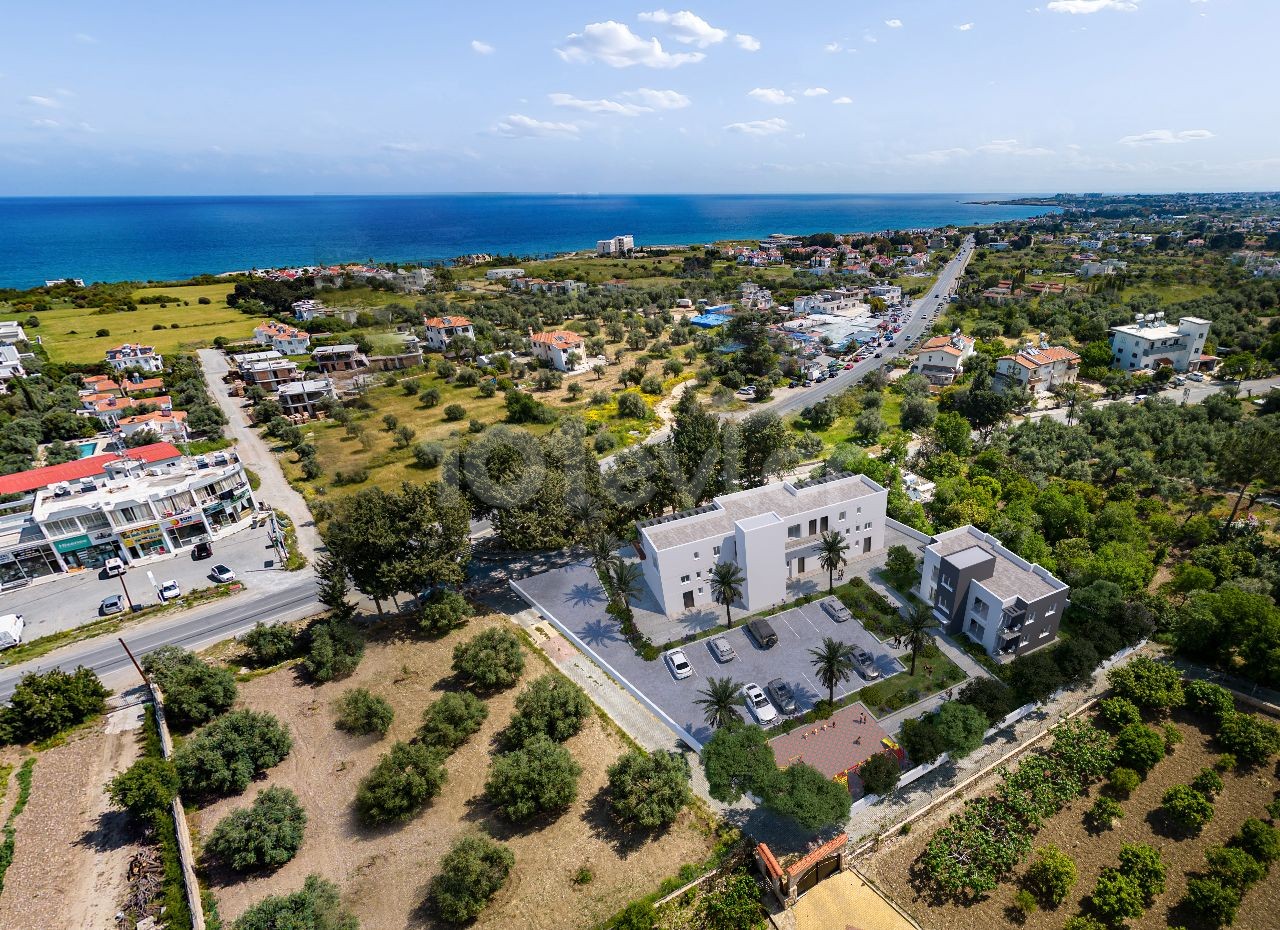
(813, 527)
(1045, 632)
(824, 524)
(842, 515)
(62, 527)
(1050, 612)
(699, 574)
(699, 590)
(684, 579)
(697, 555)
(793, 531)
(715, 550)
(94, 521)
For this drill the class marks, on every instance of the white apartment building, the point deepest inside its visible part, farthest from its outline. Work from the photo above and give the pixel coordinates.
(618, 245)
(285, 339)
(11, 331)
(1038, 370)
(891, 294)
(979, 588)
(830, 301)
(557, 346)
(141, 357)
(1150, 342)
(441, 329)
(941, 359)
(304, 397)
(771, 533)
(503, 274)
(10, 366)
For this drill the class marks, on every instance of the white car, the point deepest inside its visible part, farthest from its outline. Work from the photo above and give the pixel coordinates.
(113, 567)
(170, 591)
(758, 704)
(678, 662)
(222, 574)
(11, 627)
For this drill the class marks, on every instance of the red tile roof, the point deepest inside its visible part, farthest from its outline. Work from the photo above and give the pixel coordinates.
(560, 338)
(797, 868)
(37, 478)
(440, 322)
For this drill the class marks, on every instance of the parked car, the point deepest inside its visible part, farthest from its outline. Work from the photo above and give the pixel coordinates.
(762, 633)
(835, 609)
(114, 567)
(780, 691)
(723, 650)
(758, 704)
(170, 590)
(203, 550)
(866, 664)
(678, 663)
(1196, 376)
(111, 605)
(11, 627)
(222, 574)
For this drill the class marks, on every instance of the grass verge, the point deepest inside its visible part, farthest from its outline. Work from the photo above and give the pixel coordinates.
(10, 835)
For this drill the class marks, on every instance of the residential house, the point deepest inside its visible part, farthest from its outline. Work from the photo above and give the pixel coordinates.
(400, 350)
(441, 329)
(1150, 342)
(999, 600)
(919, 489)
(1038, 369)
(771, 533)
(285, 339)
(270, 374)
(413, 280)
(10, 366)
(134, 385)
(304, 311)
(109, 408)
(941, 359)
(143, 358)
(305, 398)
(168, 425)
(561, 348)
(345, 357)
(11, 332)
(891, 294)
(503, 274)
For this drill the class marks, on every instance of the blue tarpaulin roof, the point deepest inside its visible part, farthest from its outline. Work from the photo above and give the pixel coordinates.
(710, 320)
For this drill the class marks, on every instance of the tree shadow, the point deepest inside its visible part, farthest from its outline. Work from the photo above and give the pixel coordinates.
(1162, 825)
(586, 595)
(600, 633)
(115, 828)
(599, 818)
(482, 813)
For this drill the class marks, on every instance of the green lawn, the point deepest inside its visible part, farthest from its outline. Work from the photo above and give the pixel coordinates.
(934, 673)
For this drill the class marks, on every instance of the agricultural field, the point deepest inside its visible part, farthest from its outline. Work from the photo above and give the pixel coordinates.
(1245, 794)
(383, 872)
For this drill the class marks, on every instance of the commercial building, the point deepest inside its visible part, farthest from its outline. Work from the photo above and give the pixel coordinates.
(1150, 342)
(441, 329)
(771, 533)
(299, 398)
(618, 245)
(1038, 369)
(979, 588)
(285, 339)
(941, 359)
(835, 301)
(128, 356)
(556, 347)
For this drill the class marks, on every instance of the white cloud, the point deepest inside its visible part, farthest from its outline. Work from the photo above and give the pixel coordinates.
(747, 43)
(965, 27)
(618, 47)
(771, 95)
(481, 48)
(816, 92)
(938, 156)
(48, 102)
(842, 101)
(869, 39)
(1011, 147)
(46, 123)
(1166, 137)
(832, 47)
(893, 23)
(598, 106)
(1090, 6)
(517, 126)
(760, 127)
(85, 39)
(686, 27)
(659, 99)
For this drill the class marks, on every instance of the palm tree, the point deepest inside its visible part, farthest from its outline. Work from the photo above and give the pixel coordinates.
(917, 636)
(626, 577)
(603, 547)
(718, 700)
(833, 661)
(831, 556)
(726, 586)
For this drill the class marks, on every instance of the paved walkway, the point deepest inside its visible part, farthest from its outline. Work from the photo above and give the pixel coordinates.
(835, 903)
(275, 490)
(892, 723)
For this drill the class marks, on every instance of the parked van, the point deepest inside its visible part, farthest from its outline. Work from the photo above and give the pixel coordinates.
(762, 633)
(11, 626)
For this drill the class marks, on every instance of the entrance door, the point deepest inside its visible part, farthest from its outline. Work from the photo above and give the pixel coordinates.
(688, 599)
(866, 544)
(800, 565)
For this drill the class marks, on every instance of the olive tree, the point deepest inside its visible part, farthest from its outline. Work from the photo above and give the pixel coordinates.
(223, 757)
(451, 719)
(265, 835)
(401, 784)
(648, 790)
(470, 874)
(552, 706)
(539, 777)
(491, 660)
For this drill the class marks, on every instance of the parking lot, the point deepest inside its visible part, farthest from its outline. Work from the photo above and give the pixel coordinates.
(573, 597)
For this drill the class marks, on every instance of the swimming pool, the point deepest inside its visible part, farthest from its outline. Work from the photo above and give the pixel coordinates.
(87, 448)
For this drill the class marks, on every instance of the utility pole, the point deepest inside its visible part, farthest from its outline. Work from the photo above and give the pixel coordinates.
(127, 598)
(129, 653)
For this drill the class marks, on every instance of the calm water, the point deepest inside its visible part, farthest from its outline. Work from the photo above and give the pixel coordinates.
(165, 238)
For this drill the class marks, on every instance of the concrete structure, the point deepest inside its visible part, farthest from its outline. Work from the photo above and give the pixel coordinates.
(941, 359)
(891, 294)
(1150, 342)
(141, 357)
(771, 533)
(503, 274)
(618, 245)
(979, 588)
(830, 301)
(285, 339)
(270, 374)
(441, 329)
(244, 359)
(304, 311)
(304, 397)
(345, 357)
(555, 347)
(1038, 369)
(917, 488)
(400, 350)
(413, 280)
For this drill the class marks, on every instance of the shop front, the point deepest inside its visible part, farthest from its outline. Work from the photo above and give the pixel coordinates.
(84, 552)
(19, 566)
(144, 541)
(186, 529)
(228, 509)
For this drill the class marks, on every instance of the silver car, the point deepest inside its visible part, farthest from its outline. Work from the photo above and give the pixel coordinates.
(866, 664)
(723, 650)
(835, 609)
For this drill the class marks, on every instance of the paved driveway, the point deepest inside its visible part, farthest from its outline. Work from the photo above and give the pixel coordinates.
(573, 597)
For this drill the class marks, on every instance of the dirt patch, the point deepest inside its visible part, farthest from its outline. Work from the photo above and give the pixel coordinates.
(383, 873)
(71, 853)
(1244, 795)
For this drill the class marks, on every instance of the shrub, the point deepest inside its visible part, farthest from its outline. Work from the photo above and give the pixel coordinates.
(1172, 738)
(631, 406)
(1084, 922)
(1214, 902)
(731, 904)
(315, 907)
(1149, 684)
(922, 740)
(1104, 813)
(808, 797)
(989, 695)
(1117, 897)
(879, 774)
(334, 650)
(451, 719)
(1140, 747)
(45, 704)
(1209, 699)
(401, 784)
(145, 788)
(1187, 808)
(361, 712)
(1142, 863)
(1024, 902)
(265, 835)
(541, 776)
(648, 790)
(1118, 712)
(1123, 781)
(102, 332)
(1234, 867)
(551, 705)
(270, 644)
(1225, 762)
(1051, 877)
(470, 874)
(454, 412)
(1251, 740)
(1260, 840)
(428, 454)
(1208, 783)
(223, 757)
(491, 660)
(638, 915)
(430, 397)
(443, 611)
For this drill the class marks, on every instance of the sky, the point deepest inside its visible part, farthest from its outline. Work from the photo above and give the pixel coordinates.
(278, 97)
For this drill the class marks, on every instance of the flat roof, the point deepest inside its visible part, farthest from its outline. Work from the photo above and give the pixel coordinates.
(968, 545)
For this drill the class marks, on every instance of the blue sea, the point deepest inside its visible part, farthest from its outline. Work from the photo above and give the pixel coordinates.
(169, 238)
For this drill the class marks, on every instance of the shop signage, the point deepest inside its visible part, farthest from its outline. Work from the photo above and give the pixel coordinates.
(185, 519)
(142, 536)
(27, 553)
(72, 543)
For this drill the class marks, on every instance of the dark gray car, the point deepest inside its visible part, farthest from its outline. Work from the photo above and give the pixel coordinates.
(780, 691)
(762, 633)
(866, 664)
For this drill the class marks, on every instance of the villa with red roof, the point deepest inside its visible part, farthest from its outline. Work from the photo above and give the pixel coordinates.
(285, 339)
(1038, 370)
(442, 329)
(941, 359)
(169, 425)
(561, 348)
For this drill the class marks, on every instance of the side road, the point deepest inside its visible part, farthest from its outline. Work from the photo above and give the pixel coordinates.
(254, 453)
